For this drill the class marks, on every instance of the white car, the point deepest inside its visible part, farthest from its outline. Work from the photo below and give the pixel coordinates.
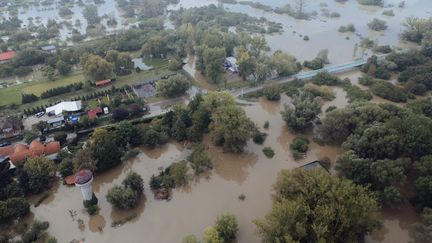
(40, 114)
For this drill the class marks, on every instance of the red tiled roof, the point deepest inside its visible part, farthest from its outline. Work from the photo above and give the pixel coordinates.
(20, 147)
(18, 156)
(103, 82)
(36, 148)
(5, 56)
(6, 151)
(52, 148)
(92, 114)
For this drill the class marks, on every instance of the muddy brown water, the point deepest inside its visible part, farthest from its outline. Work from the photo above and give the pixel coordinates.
(197, 205)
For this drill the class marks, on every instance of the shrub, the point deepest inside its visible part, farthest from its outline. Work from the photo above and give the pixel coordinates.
(66, 167)
(92, 210)
(266, 125)
(200, 159)
(93, 201)
(13, 208)
(272, 92)
(325, 78)
(227, 227)
(268, 152)
(259, 137)
(122, 198)
(388, 91)
(60, 137)
(318, 91)
(299, 146)
(377, 25)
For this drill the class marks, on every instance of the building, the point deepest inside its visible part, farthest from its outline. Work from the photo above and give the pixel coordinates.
(21, 152)
(10, 127)
(94, 113)
(83, 180)
(56, 122)
(49, 49)
(231, 64)
(69, 106)
(103, 82)
(6, 56)
(314, 165)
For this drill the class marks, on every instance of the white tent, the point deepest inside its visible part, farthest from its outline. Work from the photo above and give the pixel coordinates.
(69, 106)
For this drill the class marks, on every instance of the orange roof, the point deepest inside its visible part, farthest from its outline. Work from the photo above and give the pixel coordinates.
(5, 56)
(5, 151)
(103, 82)
(92, 114)
(20, 147)
(18, 156)
(70, 180)
(36, 148)
(52, 148)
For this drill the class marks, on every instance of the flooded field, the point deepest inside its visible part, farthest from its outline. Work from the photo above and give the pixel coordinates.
(323, 31)
(193, 207)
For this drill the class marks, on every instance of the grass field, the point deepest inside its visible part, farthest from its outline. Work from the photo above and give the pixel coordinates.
(12, 95)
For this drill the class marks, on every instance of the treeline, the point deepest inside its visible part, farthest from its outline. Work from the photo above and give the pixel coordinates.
(61, 90)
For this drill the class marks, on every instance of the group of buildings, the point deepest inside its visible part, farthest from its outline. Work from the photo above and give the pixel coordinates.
(18, 153)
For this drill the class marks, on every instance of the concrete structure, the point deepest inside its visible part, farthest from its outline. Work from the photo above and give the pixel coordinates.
(314, 165)
(69, 106)
(231, 64)
(56, 122)
(83, 180)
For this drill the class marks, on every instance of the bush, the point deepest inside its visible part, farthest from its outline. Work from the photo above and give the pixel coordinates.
(119, 114)
(366, 80)
(388, 91)
(92, 210)
(36, 232)
(200, 159)
(174, 86)
(318, 91)
(299, 146)
(266, 125)
(325, 78)
(28, 98)
(259, 137)
(92, 202)
(122, 198)
(227, 227)
(66, 167)
(13, 208)
(377, 25)
(62, 90)
(272, 92)
(268, 152)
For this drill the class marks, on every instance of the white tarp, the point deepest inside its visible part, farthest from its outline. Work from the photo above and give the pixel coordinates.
(69, 106)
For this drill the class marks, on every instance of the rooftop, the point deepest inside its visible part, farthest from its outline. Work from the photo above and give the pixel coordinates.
(103, 82)
(69, 106)
(21, 151)
(5, 56)
(83, 177)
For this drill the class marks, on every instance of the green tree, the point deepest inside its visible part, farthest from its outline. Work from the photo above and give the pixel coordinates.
(312, 206)
(174, 86)
(134, 180)
(48, 72)
(246, 64)
(122, 198)
(97, 68)
(90, 13)
(212, 60)
(13, 208)
(304, 112)
(154, 46)
(190, 239)
(105, 150)
(83, 160)
(227, 227)
(41, 172)
(423, 230)
(63, 68)
(230, 128)
(200, 159)
(211, 235)
(66, 167)
(284, 64)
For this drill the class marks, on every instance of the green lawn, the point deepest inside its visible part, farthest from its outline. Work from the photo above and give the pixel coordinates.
(13, 94)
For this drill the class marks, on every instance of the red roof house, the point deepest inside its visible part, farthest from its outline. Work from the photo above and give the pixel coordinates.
(103, 82)
(6, 56)
(92, 114)
(36, 148)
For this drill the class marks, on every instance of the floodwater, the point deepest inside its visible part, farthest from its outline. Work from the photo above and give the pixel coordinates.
(323, 31)
(195, 206)
(41, 14)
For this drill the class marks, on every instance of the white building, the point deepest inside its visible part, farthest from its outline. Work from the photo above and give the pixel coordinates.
(231, 63)
(83, 180)
(69, 106)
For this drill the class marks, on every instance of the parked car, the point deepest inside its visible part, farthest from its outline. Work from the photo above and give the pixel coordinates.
(40, 114)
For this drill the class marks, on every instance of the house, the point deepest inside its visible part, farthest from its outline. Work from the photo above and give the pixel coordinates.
(94, 113)
(103, 82)
(69, 106)
(21, 152)
(49, 49)
(6, 56)
(56, 122)
(314, 165)
(231, 64)
(10, 127)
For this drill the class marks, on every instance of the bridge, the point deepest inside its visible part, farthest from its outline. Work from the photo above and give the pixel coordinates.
(334, 69)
